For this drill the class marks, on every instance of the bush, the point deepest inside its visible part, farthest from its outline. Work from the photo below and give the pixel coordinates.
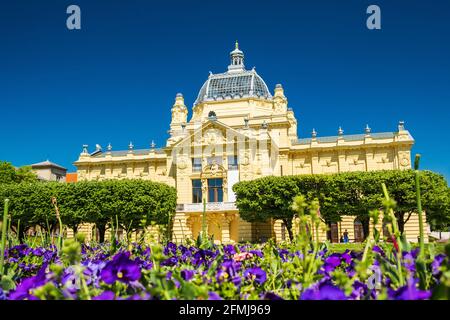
(351, 193)
(136, 203)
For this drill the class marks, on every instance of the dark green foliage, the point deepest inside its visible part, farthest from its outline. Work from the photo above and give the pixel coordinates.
(9, 174)
(352, 193)
(96, 202)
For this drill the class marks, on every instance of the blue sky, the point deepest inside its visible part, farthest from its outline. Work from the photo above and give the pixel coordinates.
(115, 80)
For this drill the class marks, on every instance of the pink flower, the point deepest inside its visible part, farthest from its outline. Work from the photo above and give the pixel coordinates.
(242, 256)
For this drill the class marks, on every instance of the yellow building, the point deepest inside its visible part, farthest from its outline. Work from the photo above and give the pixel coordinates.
(239, 131)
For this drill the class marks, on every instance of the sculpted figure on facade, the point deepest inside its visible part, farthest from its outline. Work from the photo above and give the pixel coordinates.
(179, 110)
(279, 100)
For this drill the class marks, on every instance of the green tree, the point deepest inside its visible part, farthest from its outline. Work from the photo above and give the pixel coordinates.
(351, 193)
(25, 174)
(7, 172)
(76, 203)
(97, 202)
(267, 198)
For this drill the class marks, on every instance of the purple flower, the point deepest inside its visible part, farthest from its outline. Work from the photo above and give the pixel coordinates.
(2, 294)
(229, 249)
(25, 289)
(325, 291)
(283, 254)
(346, 257)
(38, 252)
(409, 262)
(171, 248)
(236, 280)
(409, 292)
(323, 252)
(331, 262)
(360, 289)
(231, 267)
(435, 265)
(18, 251)
(92, 272)
(377, 249)
(144, 264)
(146, 252)
(257, 253)
(270, 296)
(69, 280)
(144, 296)
(121, 268)
(187, 274)
(106, 295)
(257, 274)
(203, 257)
(170, 262)
(214, 296)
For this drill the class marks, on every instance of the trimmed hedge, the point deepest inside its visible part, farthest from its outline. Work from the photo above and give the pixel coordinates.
(350, 193)
(136, 203)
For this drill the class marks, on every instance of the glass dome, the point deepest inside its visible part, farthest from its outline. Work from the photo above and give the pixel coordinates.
(234, 84)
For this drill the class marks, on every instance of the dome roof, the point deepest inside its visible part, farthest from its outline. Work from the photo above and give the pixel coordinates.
(235, 83)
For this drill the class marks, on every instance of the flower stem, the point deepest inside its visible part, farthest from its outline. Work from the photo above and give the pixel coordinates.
(4, 230)
(419, 206)
(396, 235)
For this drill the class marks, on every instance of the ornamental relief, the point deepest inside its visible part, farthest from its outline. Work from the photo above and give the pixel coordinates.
(179, 115)
(404, 159)
(214, 170)
(280, 104)
(404, 162)
(245, 160)
(197, 112)
(182, 164)
(213, 137)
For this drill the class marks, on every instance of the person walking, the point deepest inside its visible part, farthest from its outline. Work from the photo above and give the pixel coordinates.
(345, 236)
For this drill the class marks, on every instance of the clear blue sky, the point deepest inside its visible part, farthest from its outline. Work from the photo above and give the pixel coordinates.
(115, 80)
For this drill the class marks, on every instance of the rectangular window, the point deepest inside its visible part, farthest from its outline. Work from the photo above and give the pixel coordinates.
(232, 162)
(215, 190)
(196, 191)
(196, 164)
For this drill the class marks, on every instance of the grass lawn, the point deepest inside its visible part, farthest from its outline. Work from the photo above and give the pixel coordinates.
(341, 247)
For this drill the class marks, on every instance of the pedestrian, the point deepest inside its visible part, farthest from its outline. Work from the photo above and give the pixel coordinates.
(345, 236)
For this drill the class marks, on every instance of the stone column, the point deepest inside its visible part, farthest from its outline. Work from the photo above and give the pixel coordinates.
(342, 166)
(315, 165)
(370, 164)
(225, 227)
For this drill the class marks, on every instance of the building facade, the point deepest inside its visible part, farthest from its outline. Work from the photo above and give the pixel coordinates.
(49, 171)
(238, 130)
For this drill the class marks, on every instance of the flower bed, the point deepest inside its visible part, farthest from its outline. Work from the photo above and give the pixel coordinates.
(244, 271)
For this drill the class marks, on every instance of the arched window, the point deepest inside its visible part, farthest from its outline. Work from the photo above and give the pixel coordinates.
(212, 114)
(333, 232)
(359, 231)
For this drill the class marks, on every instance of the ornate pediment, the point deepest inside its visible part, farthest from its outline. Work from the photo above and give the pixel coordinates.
(213, 170)
(210, 133)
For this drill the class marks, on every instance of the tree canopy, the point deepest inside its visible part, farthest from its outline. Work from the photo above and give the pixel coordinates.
(350, 193)
(99, 202)
(9, 174)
